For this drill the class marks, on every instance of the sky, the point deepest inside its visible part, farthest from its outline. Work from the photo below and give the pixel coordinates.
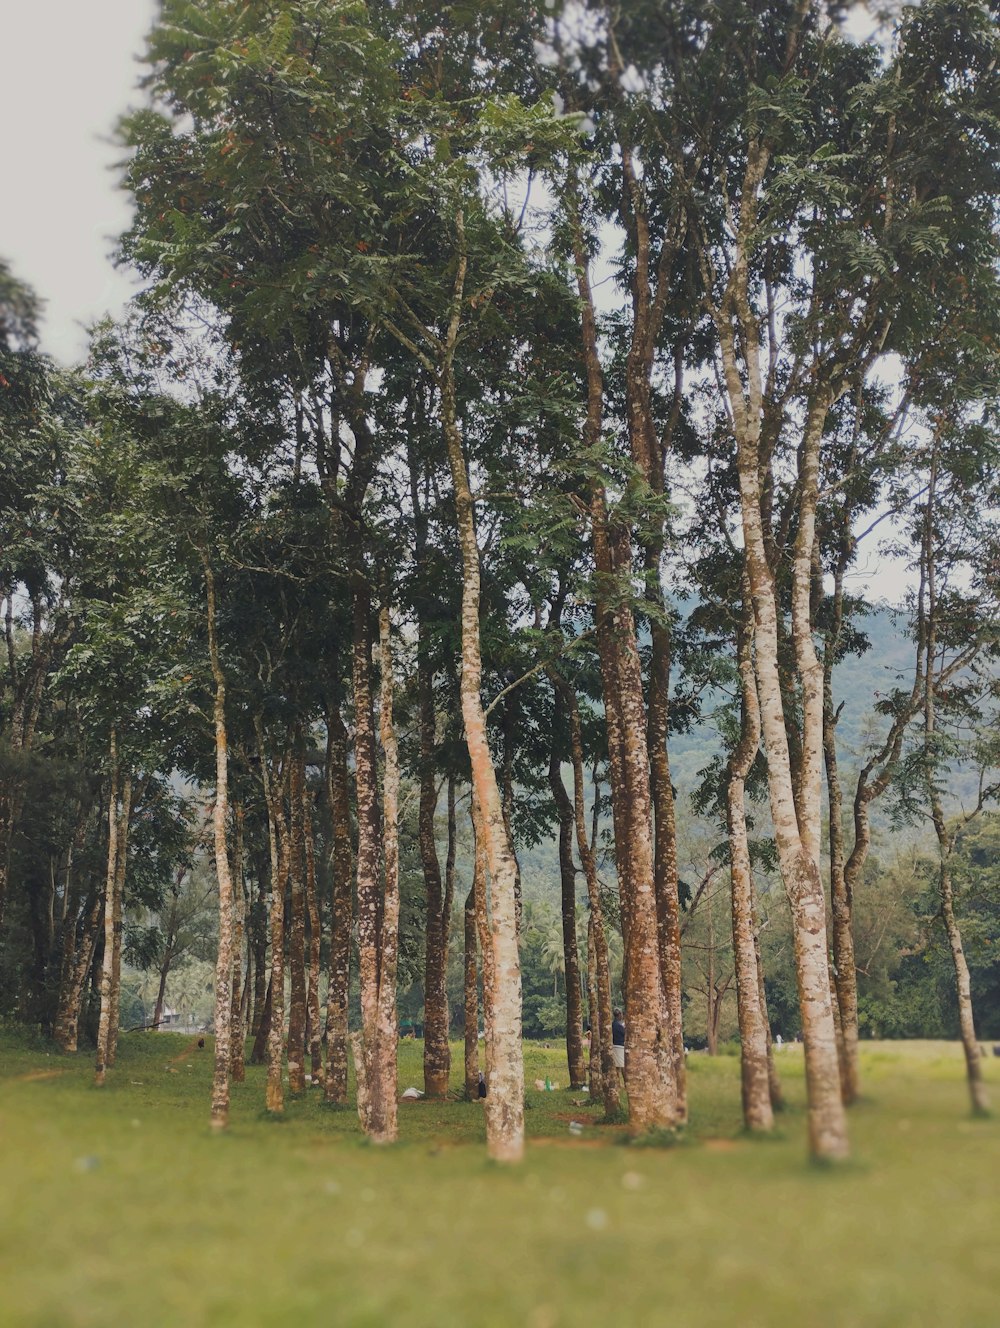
(68, 70)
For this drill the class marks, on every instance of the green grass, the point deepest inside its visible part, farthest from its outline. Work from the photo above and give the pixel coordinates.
(121, 1208)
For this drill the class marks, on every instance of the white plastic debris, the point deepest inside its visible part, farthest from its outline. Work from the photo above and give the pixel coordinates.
(412, 1093)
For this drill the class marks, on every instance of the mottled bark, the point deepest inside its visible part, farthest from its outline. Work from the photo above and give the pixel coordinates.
(567, 879)
(471, 999)
(220, 825)
(595, 1081)
(277, 838)
(665, 850)
(649, 1060)
(313, 1025)
(505, 1102)
(480, 883)
(437, 1053)
(369, 883)
(946, 835)
(963, 990)
(377, 1042)
(237, 1039)
(297, 924)
(758, 1114)
(66, 1032)
(507, 799)
(601, 1026)
(383, 1080)
(124, 824)
(341, 864)
(261, 1038)
(104, 1021)
(797, 840)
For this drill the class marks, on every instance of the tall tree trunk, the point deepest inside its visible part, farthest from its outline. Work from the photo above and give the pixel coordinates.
(369, 884)
(946, 836)
(341, 861)
(261, 1038)
(237, 1042)
(383, 1061)
(258, 946)
(567, 877)
(595, 1082)
(797, 852)
(437, 1052)
(758, 1114)
(480, 881)
(471, 998)
(124, 823)
(795, 803)
(315, 1032)
(649, 1058)
(505, 1102)
(665, 851)
(844, 969)
(297, 921)
(596, 929)
(72, 989)
(104, 1022)
(277, 837)
(220, 825)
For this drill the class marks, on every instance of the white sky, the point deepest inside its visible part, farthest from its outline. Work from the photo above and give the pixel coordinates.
(67, 71)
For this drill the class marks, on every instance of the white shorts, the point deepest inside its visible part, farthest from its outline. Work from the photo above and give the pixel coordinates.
(619, 1056)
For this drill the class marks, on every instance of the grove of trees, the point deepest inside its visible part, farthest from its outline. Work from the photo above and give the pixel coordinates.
(515, 392)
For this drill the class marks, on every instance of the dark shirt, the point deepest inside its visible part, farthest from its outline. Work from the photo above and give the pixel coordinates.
(618, 1033)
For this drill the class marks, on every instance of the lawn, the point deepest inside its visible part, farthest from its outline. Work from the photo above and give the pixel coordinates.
(121, 1208)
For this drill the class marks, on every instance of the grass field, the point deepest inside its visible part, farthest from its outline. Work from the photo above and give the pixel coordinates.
(120, 1208)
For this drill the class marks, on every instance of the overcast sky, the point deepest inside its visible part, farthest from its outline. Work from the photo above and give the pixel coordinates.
(67, 71)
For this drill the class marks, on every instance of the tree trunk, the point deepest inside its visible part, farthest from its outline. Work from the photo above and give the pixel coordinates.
(297, 928)
(162, 987)
(71, 993)
(259, 927)
(384, 1060)
(945, 837)
(595, 1083)
(124, 822)
(261, 1039)
(104, 1023)
(471, 998)
(237, 1042)
(567, 877)
(844, 970)
(341, 861)
(797, 842)
(596, 931)
(505, 1101)
(369, 885)
(665, 852)
(220, 824)
(757, 1110)
(437, 1052)
(315, 1032)
(277, 836)
(649, 1058)
(963, 989)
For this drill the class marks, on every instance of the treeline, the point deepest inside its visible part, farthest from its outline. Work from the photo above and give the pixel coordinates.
(379, 501)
